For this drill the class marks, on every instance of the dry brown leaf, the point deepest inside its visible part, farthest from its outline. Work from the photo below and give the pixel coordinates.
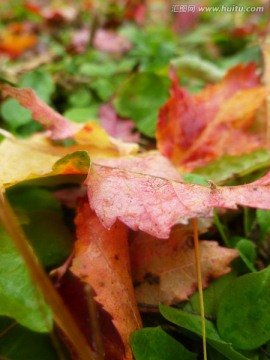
(165, 271)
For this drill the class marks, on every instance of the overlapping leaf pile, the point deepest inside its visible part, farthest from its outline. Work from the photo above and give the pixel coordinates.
(193, 130)
(145, 193)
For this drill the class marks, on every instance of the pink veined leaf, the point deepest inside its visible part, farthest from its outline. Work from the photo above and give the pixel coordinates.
(60, 127)
(153, 200)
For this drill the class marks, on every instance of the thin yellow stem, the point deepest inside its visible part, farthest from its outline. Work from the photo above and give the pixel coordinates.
(199, 280)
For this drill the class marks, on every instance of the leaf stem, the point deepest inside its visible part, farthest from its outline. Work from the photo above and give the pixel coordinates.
(220, 229)
(199, 279)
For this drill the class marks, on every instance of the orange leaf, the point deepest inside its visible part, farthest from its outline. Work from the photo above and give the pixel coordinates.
(102, 261)
(193, 130)
(154, 201)
(165, 271)
(16, 39)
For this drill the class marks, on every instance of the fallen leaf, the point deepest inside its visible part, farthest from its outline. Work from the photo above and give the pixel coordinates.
(38, 157)
(90, 134)
(17, 38)
(102, 260)
(195, 129)
(115, 126)
(146, 193)
(60, 127)
(136, 10)
(74, 163)
(80, 40)
(24, 160)
(165, 271)
(50, 12)
(111, 42)
(94, 135)
(20, 162)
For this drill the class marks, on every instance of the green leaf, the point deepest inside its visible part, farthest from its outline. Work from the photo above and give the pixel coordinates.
(244, 313)
(33, 199)
(19, 297)
(41, 81)
(140, 98)
(106, 70)
(80, 98)
(153, 47)
(263, 218)
(198, 68)
(211, 296)
(156, 344)
(43, 223)
(193, 323)
(104, 88)
(14, 114)
(19, 343)
(229, 166)
(247, 252)
(82, 115)
(195, 179)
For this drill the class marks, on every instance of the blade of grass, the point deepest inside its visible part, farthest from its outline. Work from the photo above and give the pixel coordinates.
(61, 314)
(220, 229)
(199, 280)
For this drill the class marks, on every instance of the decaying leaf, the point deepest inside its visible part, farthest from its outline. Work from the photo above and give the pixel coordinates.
(60, 127)
(52, 12)
(20, 162)
(115, 126)
(154, 201)
(89, 135)
(94, 135)
(102, 261)
(26, 160)
(17, 38)
(193, 130)
(165, 271)
(110, 42)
